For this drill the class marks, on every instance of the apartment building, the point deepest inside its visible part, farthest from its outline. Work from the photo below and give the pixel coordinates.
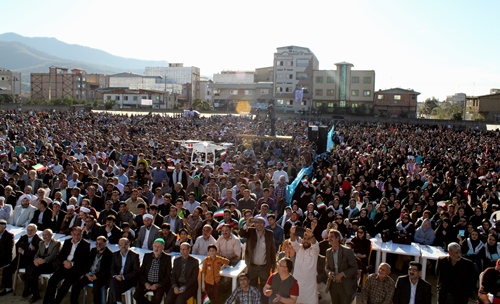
(485, 107)
(177, 73)
(396, 102)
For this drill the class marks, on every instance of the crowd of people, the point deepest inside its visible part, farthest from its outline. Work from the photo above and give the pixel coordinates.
(129, 180)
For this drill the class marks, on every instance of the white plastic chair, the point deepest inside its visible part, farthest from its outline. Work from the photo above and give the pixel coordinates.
(129, 299)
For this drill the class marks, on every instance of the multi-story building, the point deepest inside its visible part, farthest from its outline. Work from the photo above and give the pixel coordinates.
(396, 102)
(231, 89)
(485, 107)
(10, 83)
(135, 98)
(343, 88)
(64, 83)
(205, 92)
(177, 73)
(293, 69)
(457, 98)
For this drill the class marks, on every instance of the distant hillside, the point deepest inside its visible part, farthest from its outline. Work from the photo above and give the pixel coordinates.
(74, 52)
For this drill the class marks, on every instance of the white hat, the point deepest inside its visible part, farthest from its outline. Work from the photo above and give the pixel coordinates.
(72, 207)
(85, 210)
(149, 216)
(24, 196)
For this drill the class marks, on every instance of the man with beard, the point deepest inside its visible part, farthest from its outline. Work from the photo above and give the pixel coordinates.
(305, 265)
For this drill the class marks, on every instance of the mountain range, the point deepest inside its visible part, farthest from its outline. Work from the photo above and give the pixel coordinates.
(36, 54)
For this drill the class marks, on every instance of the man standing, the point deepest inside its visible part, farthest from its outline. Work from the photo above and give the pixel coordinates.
(245, 294)
(154, 274)
(6, 244)
(306, 262)
(147, 233)
(456, 277)
(281, 286)
(124, 271)
(379, 287)
(341, 268)
(97, 272)
(278, 173)
(26, 248)
(411, 288)
(260, 252)
(279, 233)
(246, 202)
(202, 242)
(45, 261)
(184, 277)
(72, 258)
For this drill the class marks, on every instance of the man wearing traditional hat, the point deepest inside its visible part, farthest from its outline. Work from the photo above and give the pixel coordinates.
(147, 233)
(154, 274)
(23, 213)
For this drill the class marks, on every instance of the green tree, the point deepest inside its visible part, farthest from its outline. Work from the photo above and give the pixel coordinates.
(109, 104)
(429, 105)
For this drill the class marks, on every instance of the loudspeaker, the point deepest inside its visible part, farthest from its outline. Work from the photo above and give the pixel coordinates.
(322, 138)
(312, 133)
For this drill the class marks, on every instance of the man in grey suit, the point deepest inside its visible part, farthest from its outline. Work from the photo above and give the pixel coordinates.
(341, 268)
(22, 214)
(45, 262)
(175, 222)
(147, 234)
(124, 275)
(31, 179)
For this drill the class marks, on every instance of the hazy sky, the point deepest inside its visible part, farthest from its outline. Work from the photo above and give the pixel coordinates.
(437, 48)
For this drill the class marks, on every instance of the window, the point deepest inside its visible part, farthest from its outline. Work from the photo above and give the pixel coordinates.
(279, 63)
(367, 93)
(302, 76)
(330, 92)
(279, 89)
(290, 102)
(108, 97)
(288, 89)
(135, 98)
(319, 79)
(144, 97)
(355, 79)
(397, 97)
(302, 62)
(342, 103)
(318, 92)
(330, 79)
(354, 105)
(354, 92)
(233, 92)
(125, 97)
(497, 117)
(330, 104)
(289, 62)
(264, 91)
(117, 97)
(367, 79)
(280, 102)
(208, 93)
(248, 92)
(279, 76)
(290, 76)
(380, 97)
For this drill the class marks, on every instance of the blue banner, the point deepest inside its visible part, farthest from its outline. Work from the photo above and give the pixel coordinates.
(329, 140)
(290, 189)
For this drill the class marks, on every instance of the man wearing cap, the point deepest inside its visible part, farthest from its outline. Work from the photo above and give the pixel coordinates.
(23, 213)
(69, 220)
(147, 233)
(5, 210)
(73, 258)
(124, 271)
(154, 274)
(184, 277)
(26, 247)
(96, 272)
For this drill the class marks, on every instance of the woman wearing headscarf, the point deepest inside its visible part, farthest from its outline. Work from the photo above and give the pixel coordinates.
(472, 249)
(424, 234)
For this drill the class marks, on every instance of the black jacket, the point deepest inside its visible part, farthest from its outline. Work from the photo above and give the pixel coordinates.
(46, 219)
(164, 273)
(403, 291)
(80, 257)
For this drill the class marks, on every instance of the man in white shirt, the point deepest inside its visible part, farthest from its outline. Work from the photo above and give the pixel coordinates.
(279, 172)
(202, 242)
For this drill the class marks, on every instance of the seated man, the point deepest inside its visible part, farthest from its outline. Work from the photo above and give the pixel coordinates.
(168, 237)
(184, 278)
(112, 233)
(154, 274)
(229, 245)
(72, 259)
(6, 244)
(26, 247)
(124, 271)
(97, 272)
(45, 261)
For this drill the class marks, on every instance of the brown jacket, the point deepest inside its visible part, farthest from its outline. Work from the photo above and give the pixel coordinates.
(251, 235)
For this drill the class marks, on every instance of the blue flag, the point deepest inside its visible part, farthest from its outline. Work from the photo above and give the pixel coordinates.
(329, 140)
(290, 189)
